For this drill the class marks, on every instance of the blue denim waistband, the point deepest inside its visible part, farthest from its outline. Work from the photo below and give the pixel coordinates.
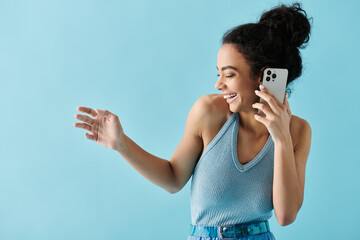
(230, 231)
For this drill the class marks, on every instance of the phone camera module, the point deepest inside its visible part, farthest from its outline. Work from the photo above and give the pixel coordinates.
(268, 72)
(267, 78)
(274, 75)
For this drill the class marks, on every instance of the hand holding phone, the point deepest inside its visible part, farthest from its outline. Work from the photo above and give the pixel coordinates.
(275, 80)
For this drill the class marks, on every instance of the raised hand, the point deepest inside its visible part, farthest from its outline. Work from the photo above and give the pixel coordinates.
(277, 115)
(105, 127)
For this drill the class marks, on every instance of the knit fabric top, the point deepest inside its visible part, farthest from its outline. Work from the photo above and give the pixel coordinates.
(223, 191)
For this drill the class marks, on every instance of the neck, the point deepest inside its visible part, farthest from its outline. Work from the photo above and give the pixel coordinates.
(249, 124)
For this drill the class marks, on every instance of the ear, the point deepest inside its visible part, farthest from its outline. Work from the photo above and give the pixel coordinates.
(261, 74)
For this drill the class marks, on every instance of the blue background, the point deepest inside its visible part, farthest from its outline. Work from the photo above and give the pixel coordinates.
(148, 62)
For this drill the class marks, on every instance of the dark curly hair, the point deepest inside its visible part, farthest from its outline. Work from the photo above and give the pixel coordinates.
(274, 41)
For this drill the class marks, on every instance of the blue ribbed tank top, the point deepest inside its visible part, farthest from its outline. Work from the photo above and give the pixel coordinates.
(223, 191)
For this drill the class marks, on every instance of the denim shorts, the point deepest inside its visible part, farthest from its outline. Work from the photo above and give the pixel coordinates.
(262, 236)
(198, 232)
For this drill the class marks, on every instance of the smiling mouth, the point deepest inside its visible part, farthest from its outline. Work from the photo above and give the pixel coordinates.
(231, 99)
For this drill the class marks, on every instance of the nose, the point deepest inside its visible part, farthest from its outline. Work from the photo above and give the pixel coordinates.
(219, 85)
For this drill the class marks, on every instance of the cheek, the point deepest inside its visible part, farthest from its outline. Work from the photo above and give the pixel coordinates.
(245, 100)
(248, 96)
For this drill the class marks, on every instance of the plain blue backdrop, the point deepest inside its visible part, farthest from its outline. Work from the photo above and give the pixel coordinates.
(148, 62)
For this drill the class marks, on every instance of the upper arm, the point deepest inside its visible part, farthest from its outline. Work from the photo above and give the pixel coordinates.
(301, 153)
(187, 153)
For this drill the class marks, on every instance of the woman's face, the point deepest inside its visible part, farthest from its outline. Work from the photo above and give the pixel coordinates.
(234, 78)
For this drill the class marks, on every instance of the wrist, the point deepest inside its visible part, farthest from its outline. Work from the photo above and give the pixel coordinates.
(284, 139)
(120, 144)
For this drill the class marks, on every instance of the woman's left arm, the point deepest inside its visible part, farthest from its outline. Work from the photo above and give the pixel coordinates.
(289, 160)
(289, 174)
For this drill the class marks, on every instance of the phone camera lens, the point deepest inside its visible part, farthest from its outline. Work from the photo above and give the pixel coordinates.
(267, 78)
(268, 72)
(274, 75)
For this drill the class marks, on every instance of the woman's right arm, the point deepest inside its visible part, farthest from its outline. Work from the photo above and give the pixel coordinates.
(170, 175)
(174, 174)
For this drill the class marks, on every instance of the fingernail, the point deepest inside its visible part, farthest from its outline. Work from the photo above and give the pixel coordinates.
(261, 86)
(256, 91)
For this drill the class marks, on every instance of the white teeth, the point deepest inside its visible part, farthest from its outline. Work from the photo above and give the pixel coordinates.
(229, 96)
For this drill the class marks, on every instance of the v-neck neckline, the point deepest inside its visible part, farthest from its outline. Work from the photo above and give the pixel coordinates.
(256, 159)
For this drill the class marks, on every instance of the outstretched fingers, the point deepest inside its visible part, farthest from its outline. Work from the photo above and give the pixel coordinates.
(84, 118)
(83, 126)
(88, 121)
(89, 136)
(88, 111)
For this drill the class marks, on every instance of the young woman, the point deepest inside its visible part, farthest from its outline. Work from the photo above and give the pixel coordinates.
(243, 165)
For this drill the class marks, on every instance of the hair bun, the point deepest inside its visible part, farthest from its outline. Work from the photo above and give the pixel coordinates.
(289, 22)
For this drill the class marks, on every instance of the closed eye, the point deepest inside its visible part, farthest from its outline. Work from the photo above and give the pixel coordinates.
(226, 76)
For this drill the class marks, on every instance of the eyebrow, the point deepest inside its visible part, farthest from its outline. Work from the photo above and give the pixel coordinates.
(227, 67)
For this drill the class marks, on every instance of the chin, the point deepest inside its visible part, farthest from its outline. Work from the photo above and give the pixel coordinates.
(234, 107)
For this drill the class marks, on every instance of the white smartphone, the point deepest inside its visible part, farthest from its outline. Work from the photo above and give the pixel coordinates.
(275, 80)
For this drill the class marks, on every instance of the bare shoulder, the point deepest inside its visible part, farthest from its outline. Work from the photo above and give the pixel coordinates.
(213, 109)
(217, 106)
(214, 102)
(299, 128)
